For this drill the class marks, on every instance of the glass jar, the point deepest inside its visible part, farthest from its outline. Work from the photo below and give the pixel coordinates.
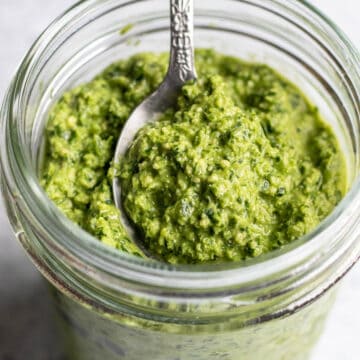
(112, 305)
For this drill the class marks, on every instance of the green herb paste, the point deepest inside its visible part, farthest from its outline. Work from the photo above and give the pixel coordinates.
(241, 166)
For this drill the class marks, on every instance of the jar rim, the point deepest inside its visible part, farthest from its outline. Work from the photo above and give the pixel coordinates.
(85, 248)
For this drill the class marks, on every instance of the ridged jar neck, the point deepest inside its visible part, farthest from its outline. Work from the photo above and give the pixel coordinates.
(290, 36)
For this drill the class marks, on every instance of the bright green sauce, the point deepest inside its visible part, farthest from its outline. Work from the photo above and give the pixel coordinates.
(242, 166)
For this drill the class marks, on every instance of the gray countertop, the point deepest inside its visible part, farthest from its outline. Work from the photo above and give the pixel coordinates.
(26, 327)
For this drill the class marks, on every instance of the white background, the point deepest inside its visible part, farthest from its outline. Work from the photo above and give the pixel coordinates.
(26, 329)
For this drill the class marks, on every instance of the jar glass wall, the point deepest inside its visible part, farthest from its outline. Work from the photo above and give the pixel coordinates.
(114, 305)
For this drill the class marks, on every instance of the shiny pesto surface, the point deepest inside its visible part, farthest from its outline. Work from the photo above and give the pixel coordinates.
(243, 165)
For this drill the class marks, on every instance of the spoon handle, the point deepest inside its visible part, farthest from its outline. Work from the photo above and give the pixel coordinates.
(181, 66)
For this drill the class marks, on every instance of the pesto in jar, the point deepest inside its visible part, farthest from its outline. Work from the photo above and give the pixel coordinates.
(241, 166)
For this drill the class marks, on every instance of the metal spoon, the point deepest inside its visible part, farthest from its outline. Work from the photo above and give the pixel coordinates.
(181, 69)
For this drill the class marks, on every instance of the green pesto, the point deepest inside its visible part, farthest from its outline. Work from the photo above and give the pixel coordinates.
(124, 30)
(241, 166)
